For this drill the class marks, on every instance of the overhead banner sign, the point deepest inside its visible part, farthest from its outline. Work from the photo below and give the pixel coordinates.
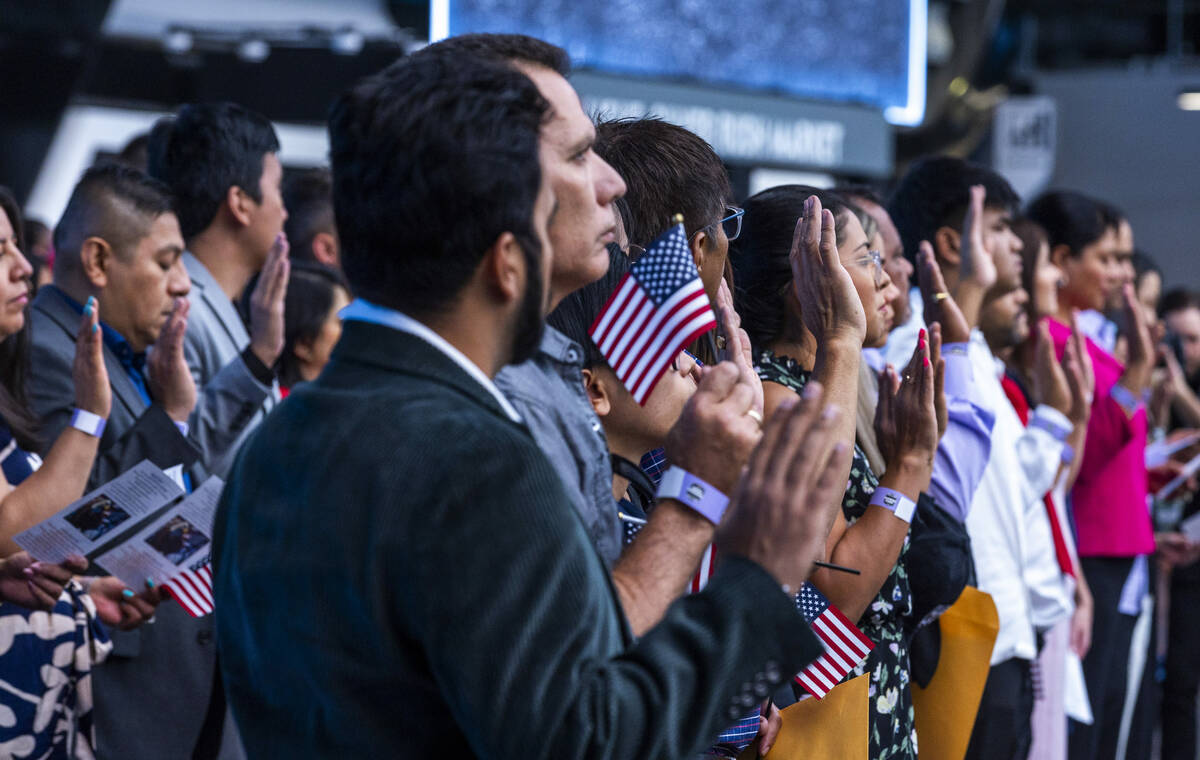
(1024, 141)
(752, 129)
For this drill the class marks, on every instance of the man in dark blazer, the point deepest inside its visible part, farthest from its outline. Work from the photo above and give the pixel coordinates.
(119, 241)
(399, 570)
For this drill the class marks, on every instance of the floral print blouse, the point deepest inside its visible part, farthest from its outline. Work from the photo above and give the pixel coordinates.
(893, 733)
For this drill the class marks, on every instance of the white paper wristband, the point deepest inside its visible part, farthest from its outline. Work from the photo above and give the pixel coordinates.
(86, 422)
(895, 502)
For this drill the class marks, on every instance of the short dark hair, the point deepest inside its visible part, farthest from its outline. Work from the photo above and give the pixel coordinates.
(862, 192)
(1072, 219)
(575, 314)
(761, 255)
(935, 193)
(114, 202)
(519, 48)
(15, 356)
(667, 170)
(308, 198)
(1178, 299)
(433, 159)
(204, 150)
(309, 298)
(1144, 264)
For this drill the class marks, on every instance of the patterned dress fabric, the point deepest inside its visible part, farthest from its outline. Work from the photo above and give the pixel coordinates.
(46, 661)
(893, 733)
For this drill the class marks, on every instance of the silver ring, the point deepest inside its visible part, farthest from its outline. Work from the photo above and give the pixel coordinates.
(755, 415)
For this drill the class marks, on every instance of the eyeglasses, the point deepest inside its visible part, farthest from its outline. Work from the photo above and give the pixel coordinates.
(732, 223)
(875, 258)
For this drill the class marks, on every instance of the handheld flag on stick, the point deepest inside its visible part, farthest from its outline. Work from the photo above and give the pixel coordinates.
(845, 645)
(658, 308)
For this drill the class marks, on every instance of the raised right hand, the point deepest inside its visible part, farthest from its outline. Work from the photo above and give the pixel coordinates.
(1140, 367)
(906, 425)
(830, 306)
(170, 379)
(778, 514)
(1050, 383)
(940, 306)
(266, 304)
(92, 390)
(714, 435)
(977, 265)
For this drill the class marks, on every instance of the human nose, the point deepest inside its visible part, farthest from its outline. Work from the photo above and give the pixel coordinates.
(608, 183)
(179, 285)
(21, 269)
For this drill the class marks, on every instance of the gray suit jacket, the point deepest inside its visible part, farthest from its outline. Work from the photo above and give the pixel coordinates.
(153, 692)
(230, 400)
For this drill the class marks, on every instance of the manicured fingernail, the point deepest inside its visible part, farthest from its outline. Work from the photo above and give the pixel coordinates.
(87, 310)
(95, 329)
(808, 204)
(150, 582)
(811, 391)
(926, 361)
(28, 572)
(127, 593)
(830, 412)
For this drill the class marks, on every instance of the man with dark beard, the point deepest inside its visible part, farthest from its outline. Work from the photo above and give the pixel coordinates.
(397, 566)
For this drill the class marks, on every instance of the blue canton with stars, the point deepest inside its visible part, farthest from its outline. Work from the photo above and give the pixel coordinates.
(666, 266)
(811, 602)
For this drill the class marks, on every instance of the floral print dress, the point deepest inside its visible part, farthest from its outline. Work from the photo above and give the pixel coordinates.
(893, 734)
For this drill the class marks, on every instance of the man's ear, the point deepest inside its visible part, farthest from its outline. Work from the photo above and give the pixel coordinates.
(946, 242)
(325, 249)
(95, 260)
(239, 204)
(504, 268)
(699, 244)
(1060, 255)
(597, 392)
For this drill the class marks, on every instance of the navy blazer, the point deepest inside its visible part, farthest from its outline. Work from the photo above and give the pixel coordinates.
(400, 573)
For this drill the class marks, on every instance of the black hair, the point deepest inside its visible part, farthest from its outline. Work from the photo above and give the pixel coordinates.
(761, 255)
(517, 48)
(1178, 299)
(35, 229)
(433, 159)
(136, 152)
(1072, 219)
(575, 314)
(1143, 264)
(862, 192)
(203, 151)
(309, 298)
(667, 170)
(15, 356)
(936, 191)
(308, 198)
(114, 202)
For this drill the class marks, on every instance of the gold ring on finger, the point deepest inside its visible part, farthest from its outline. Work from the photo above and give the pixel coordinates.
(755, 415)
(941, 295)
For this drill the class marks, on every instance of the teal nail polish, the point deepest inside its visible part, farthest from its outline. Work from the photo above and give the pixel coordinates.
(91, 301)
(127, 593)
(95, 328)
(150, 583)
(87, 310)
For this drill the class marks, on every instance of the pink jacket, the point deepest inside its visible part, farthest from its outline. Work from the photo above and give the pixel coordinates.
(1109, 497)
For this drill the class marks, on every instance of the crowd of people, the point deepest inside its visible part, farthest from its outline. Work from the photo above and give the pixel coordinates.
(448, 527)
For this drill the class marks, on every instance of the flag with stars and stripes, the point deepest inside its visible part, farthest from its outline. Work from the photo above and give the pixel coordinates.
(845, 646)
(193, 589)
(658, 308)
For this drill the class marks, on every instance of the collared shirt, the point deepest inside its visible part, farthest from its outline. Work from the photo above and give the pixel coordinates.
(365, 311)
(1010, 532)
(134, 363)
(549, 392)
(1102, 330)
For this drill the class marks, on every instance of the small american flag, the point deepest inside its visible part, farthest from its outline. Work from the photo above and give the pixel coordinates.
(658, 308)
(845, 645)
(193, 589)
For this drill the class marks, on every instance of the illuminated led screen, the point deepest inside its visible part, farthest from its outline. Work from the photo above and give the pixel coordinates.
(860, 51)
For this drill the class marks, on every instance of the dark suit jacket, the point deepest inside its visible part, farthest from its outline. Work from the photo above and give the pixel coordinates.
(400, 573)
(153, 692)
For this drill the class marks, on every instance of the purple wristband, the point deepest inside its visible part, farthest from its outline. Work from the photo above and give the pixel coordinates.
(86, 422)
(681, 485)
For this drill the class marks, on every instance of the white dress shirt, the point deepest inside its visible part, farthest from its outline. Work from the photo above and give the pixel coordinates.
(1009, 528)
